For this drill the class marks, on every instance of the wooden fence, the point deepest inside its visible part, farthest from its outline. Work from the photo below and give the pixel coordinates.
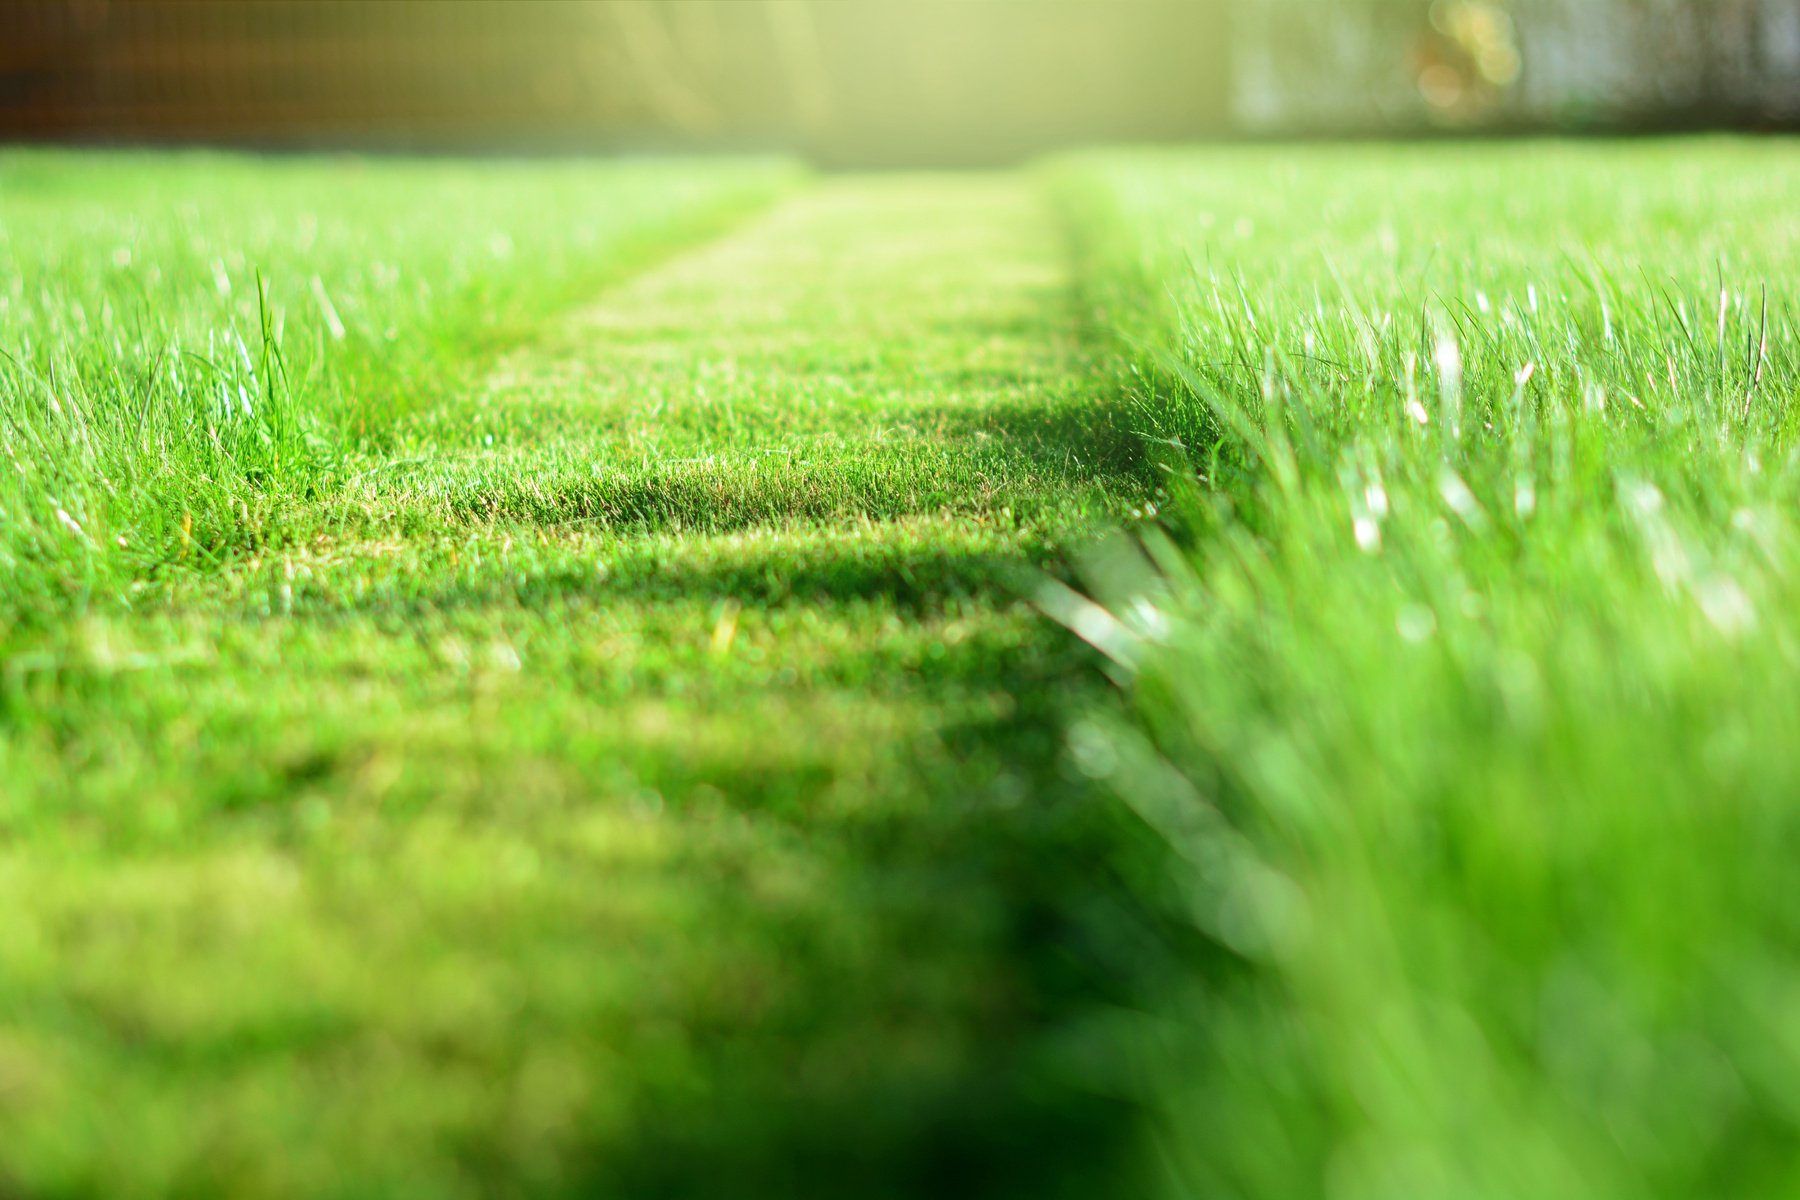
(868, 80)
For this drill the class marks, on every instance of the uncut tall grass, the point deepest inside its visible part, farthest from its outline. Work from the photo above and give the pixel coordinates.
(1464, 698)
(191, 346)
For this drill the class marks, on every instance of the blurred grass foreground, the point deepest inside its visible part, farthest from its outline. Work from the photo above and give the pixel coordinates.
(1465, 705)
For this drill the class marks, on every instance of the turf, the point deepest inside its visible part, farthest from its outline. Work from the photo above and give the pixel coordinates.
(195, 343)
(504, 753)
(1464, 693)
(519, 678)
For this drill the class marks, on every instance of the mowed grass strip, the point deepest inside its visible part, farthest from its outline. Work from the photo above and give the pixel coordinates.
(1469, 708)
(734, 390)
(637, 775)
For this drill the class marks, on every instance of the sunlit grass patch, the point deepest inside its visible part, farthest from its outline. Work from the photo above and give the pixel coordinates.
(196, 347)
(1465, 710)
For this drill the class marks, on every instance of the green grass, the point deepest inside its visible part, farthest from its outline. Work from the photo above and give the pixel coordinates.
(192, 345)
(516, 678)
(600, 754)
(1467, 707)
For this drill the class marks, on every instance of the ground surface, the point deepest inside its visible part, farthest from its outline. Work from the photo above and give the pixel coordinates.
(536, 693)
(640, 770)
(1470, 707)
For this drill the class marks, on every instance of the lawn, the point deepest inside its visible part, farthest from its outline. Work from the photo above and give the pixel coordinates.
(1244, 672)
(1464, 693)
(471, 729)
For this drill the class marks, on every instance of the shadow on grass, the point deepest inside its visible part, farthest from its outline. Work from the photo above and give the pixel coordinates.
(983, 854)
(998, 845)
(1004, 870)
(988, 851)
(915, 581)
(1035, 459)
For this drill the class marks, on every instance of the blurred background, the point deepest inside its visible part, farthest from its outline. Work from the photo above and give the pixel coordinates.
(878, 82)
(1620, 65)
